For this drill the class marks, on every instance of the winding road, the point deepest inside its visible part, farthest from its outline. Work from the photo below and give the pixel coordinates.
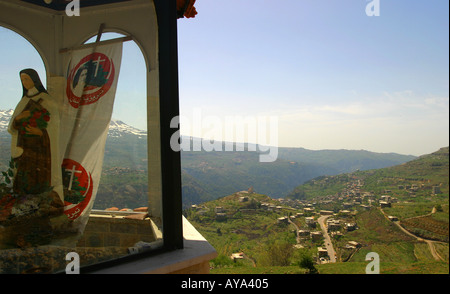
(328, 244)
(429, 242)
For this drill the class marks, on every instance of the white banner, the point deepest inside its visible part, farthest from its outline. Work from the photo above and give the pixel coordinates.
(86, 113)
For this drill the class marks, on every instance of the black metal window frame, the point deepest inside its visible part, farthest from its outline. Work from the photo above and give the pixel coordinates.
(166, 13)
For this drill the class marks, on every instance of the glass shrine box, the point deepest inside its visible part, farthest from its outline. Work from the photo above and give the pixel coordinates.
(80, 192)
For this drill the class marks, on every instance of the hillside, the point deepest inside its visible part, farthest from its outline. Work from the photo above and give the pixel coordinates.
(243, 223)
(412, 179)
(363, 211)
(341, 161)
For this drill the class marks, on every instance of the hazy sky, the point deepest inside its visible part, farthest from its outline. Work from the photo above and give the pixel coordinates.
(333, 77)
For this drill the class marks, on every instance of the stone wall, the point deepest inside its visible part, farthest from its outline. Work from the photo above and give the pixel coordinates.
(104, 231)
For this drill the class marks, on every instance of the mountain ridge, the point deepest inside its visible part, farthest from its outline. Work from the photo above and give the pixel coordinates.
(210, 175)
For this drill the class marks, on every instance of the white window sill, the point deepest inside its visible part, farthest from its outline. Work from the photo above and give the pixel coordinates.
(196, 252)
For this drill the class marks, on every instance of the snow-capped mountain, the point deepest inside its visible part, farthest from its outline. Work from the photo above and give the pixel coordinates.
(5, 116)
(117, 128)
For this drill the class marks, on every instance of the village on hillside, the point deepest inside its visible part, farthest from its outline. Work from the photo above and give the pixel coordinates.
(319, 223)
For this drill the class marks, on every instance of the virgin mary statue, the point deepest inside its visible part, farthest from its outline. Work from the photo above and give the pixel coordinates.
(34, 127)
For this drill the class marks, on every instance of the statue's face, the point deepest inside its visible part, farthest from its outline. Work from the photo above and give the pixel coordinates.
(27, 82)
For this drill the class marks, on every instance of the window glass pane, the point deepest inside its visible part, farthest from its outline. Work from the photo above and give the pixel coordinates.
(38, 229)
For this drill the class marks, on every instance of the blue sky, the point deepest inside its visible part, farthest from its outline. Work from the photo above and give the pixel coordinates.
(334, 77)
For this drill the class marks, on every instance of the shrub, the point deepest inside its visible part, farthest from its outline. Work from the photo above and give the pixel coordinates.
(278, 253)
(307, 262)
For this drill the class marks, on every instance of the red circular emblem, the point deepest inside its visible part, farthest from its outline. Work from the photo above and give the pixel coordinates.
(90, 79)
(78, 188)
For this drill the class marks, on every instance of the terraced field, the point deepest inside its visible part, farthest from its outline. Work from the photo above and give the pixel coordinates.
(427, 227)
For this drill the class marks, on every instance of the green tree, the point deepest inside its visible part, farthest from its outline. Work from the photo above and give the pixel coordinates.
(307, 262)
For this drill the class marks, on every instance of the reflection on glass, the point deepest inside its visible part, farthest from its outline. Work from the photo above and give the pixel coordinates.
(31, 196)
(39, 186)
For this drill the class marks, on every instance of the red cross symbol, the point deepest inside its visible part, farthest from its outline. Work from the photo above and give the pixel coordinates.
(76, 170)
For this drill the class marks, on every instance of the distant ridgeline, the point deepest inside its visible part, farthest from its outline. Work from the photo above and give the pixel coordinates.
(210, 175)
(424, 176)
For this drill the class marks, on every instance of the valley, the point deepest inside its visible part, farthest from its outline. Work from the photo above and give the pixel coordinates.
(210, 175)
(309, 211)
